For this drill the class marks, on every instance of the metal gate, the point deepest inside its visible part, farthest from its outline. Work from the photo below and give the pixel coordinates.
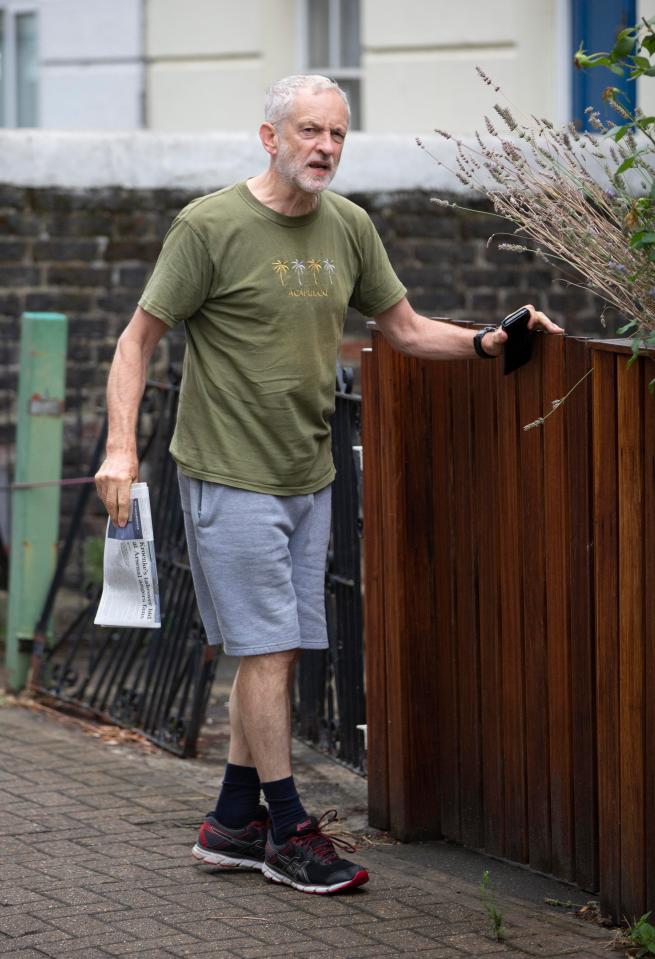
(156, 681)
(330, 709)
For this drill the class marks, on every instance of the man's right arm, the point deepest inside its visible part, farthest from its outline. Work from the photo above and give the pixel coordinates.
(125, 386)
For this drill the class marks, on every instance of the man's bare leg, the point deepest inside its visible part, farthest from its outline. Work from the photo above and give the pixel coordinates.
(260, 725)
(239, 751)
(261, 701)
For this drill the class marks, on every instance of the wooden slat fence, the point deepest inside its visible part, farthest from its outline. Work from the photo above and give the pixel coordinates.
(510, 610)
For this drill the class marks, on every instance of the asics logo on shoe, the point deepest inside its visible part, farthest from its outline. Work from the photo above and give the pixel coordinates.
(208, 830)
(294, 868)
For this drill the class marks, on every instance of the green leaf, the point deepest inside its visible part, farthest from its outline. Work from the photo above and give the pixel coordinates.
(615, 68)
(623, 330)
(624, 45)
(650, 72)
(622, 132)
(581, 61)
(641, 63)
(627, 164)
(649, 43)
(641, 238)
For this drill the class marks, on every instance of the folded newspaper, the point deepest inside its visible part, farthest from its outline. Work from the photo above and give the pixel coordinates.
(130, 591)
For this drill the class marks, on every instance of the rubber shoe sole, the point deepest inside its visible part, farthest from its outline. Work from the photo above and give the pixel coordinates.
(358, 880)
(223, 861)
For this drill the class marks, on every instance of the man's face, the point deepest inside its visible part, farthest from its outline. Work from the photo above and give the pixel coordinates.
(310, 140)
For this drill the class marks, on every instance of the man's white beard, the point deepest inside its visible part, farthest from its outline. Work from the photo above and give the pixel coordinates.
(295, 172)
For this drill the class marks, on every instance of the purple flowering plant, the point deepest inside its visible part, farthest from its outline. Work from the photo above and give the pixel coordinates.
(583, 200)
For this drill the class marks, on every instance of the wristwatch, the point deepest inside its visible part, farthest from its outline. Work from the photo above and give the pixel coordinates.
(477, 343)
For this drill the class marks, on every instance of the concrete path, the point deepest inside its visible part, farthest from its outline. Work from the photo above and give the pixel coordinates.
(95, 839)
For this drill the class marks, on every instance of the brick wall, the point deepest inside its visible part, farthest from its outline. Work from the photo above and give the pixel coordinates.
(88, 253)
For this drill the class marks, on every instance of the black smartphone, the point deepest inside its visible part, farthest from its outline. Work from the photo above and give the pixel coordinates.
(518, 346)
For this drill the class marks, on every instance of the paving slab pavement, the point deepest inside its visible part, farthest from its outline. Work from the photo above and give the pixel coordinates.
(95, 861)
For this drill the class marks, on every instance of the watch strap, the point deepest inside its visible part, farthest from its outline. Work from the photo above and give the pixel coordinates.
(477, 343)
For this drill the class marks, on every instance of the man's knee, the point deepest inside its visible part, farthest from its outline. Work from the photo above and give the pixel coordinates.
(271, 664)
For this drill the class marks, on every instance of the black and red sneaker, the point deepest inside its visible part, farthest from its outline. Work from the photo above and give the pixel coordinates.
(308, 861)
(241, 848)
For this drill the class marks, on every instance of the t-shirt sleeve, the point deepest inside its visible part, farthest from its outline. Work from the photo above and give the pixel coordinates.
(377, 287)
(182, 278)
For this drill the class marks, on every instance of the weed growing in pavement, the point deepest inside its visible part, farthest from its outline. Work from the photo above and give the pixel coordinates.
(490, 907)
(640, 937)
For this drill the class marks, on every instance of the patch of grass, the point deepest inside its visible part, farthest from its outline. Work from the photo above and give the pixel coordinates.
(491, 909)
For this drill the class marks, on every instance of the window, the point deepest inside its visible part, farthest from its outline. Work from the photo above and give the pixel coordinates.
(19, 66)
(595, 23)
(330, 44)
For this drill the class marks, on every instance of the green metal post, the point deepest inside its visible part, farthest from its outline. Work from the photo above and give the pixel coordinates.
(35, 512)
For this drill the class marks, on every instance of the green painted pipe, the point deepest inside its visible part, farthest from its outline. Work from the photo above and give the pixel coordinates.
(35, 512)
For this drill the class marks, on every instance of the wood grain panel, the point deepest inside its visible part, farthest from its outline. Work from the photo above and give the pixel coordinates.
(631, 638)
(489, 587)
(510, 559)
(466, 635)
(534, 614)
(445, 647)
(649, 630)
(408, 571)
(577, 415)
(374, 593)
(556, 517)
(605, 530)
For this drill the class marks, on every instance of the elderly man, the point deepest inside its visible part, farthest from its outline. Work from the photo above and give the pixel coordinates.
(261, 274)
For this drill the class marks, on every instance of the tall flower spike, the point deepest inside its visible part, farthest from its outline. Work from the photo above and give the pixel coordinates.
(490, 127)
(506, 115)
(486, 79)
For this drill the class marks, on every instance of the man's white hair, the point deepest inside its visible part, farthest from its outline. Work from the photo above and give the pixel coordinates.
(280, 95)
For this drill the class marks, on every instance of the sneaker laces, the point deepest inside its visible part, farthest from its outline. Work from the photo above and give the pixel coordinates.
(321, 842)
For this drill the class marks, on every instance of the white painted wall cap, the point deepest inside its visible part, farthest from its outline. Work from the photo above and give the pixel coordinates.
(203, 162)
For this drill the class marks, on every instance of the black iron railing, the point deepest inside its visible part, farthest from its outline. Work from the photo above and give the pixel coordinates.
(156, 681)
(329, 708)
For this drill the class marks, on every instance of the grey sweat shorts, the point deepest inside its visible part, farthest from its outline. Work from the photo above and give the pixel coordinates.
(258, 565)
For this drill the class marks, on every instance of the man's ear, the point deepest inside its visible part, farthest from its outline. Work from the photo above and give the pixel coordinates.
(268, 136)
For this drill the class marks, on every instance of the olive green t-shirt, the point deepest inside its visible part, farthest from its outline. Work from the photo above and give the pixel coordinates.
(263, 298)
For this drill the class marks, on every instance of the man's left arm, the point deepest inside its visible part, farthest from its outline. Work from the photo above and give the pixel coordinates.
(426, 339)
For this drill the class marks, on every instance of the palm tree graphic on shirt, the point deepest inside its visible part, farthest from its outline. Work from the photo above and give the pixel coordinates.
(298, 268)
(315, 267)
(281, 267)
(329, 268)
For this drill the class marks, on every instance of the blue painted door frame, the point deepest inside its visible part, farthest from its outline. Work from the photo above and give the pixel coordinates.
(595, 23)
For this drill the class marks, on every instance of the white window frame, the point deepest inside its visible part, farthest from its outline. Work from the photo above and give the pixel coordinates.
(328, 69)
(9, 9)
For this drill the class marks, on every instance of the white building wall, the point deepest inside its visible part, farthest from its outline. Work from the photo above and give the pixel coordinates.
(420, 59)
(211, 74)
(91, 64)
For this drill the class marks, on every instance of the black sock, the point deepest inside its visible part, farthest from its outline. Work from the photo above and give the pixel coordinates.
(284, 806)
(239, 797)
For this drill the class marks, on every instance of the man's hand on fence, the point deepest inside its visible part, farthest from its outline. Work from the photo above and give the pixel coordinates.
(492, 343)
(113, 481)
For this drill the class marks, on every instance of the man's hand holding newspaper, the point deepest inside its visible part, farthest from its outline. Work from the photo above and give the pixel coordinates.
(130, 593)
